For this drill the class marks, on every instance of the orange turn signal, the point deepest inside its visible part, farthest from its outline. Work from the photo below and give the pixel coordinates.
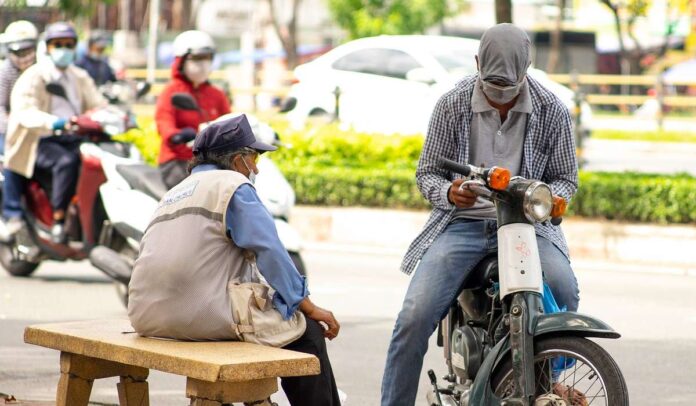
(559, 207)
(498, 178)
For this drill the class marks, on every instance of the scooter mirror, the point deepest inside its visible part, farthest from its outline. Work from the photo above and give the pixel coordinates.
(184, 101)
(141, 89)
(288, 104)
(56, 89)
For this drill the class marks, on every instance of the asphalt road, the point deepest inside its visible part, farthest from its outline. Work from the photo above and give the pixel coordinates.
(639, 156)
(655, 314)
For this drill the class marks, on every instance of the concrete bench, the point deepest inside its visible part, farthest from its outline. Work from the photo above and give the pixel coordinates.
(217, 372)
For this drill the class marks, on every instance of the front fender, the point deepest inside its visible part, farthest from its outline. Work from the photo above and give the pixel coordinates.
(571, 323)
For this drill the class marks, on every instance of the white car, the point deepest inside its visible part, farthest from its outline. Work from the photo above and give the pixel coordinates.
(390, 83)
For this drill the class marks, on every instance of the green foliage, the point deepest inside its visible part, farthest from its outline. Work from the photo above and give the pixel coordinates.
(330, 166)
(657, 136)
(145, 138)
(366, 18)
(636, 197)
(80, 8)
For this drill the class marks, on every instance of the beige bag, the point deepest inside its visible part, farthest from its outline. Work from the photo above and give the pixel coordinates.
(256, 320)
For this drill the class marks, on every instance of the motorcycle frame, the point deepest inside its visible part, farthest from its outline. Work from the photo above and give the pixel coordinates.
(524, 316)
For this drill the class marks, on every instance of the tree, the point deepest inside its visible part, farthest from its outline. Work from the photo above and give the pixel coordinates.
(287, 32)
(365, 18)
(556, 39)
(632, 9)
(503, 11)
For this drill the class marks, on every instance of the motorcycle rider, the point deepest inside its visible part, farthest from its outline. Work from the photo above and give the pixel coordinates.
(201, 237)
(94, 61)
(36, 115)
(497, 117)
(194, 51)
(20, 40)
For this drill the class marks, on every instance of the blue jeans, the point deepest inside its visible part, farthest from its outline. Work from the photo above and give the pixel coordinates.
(12, 190)
(435, 285)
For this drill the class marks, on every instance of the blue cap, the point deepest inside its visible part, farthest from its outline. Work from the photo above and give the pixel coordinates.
(60, 30)
(227, 136)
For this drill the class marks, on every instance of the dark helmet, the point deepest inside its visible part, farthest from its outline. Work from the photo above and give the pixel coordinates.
(60, 30)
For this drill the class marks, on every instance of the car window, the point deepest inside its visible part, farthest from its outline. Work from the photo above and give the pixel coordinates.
(378, 61)
(455, 60)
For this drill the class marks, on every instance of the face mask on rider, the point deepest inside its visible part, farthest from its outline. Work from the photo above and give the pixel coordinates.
(62, 57)
(24, 61)
(501, 94)
(197, 71)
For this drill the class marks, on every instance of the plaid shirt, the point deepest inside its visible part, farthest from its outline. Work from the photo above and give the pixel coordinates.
(548, 155)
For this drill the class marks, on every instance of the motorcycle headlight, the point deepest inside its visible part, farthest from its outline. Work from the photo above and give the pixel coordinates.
(538, 202)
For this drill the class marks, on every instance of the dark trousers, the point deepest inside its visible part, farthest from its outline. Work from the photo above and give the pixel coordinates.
(59, 158)
(12, 190)
(173, 172)
(317, 390)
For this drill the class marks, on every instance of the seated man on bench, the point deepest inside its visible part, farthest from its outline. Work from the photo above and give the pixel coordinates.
(198, 247)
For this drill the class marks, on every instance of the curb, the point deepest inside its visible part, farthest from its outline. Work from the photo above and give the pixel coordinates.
(664, 248)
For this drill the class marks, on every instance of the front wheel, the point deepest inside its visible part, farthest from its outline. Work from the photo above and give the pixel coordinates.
(13, 265)
(572, 370)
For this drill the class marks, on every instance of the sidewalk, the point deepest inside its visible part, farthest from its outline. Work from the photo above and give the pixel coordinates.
(630, 247)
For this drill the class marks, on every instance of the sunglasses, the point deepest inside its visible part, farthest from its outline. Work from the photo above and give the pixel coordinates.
(62, 44)
(23, 52)
(254, 156)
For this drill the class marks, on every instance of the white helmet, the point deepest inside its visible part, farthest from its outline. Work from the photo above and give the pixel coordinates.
(20, 35)
(193, 42)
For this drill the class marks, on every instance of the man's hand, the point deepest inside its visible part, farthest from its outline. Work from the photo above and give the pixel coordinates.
(462, 198)
(324, 317)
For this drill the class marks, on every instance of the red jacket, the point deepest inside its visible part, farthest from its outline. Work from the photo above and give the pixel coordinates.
(170, 121)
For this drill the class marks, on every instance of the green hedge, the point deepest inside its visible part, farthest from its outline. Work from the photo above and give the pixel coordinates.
(329, 165)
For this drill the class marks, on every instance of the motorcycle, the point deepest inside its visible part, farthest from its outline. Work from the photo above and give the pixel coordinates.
(85, 216)
(500, 347)
(133, 190)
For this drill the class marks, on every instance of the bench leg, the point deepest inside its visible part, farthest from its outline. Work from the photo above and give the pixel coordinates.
(203, 393)
(132, 392)
(73, 390)
(78, 372)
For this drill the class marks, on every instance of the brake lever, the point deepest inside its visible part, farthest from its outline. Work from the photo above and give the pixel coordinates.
(478, 187)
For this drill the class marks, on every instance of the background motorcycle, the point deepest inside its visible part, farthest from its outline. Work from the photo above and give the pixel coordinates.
(85, 215)
(133, 190)
(500, 347)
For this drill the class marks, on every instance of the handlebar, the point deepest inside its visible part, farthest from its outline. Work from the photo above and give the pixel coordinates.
(495, 177)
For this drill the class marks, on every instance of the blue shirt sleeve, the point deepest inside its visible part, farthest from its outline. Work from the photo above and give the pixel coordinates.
(251, 226)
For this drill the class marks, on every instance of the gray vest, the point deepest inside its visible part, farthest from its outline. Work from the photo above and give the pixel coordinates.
(179, 284)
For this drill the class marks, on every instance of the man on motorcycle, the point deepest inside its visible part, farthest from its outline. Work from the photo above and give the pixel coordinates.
(20, 40)
(36, 116)
(202, 237)
(194, 51)
(498, 117)
(95, 62)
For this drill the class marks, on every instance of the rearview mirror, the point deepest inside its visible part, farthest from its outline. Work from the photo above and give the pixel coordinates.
(288, 104)
(420, 75)
(56, 89)
(184, 101)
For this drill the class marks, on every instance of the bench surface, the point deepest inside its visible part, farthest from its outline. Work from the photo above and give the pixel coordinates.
(227, 361)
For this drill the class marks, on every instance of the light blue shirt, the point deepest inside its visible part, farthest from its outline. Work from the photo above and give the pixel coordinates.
(251, 226)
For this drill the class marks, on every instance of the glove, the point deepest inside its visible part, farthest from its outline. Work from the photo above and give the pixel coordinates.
(182, 137)
(59, 124)
(86, 125)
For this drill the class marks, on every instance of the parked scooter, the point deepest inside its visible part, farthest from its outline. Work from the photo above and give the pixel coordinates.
(499, 345)
(133, 190)
(85, 216)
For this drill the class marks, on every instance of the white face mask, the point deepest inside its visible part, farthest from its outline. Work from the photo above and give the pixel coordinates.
(252, 174)
(197, 71)
(501, 94)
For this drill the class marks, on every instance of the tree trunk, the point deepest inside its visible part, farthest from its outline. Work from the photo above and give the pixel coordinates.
(287, 33)
(556, 40)
(503, 11)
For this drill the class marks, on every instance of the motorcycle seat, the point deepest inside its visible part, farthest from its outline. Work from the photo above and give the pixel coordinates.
(484, 272)
(144, 178)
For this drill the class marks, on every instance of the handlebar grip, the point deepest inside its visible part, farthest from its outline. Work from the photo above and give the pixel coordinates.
(464, 170)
